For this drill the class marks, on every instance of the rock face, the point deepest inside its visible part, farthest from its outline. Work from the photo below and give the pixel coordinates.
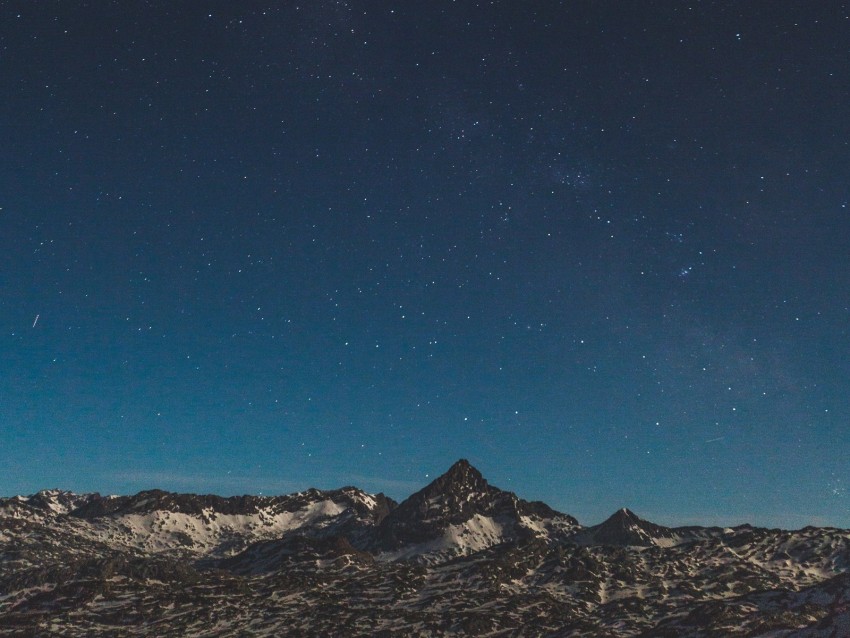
(461, 510)
(459, 557)
(625, 528)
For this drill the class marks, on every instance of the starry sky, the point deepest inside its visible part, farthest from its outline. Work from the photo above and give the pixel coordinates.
(600, 249)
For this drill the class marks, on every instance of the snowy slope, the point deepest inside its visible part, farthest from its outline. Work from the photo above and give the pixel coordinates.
(459, 557)
(460, 513)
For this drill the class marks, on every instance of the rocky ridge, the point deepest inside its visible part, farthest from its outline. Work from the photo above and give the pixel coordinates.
(459, 557)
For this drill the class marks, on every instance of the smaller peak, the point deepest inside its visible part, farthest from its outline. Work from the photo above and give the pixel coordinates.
(625, 512)
(55, 500)
(53, 493)
(623, 518)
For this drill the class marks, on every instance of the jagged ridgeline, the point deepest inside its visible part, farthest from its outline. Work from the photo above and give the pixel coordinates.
(459, 557)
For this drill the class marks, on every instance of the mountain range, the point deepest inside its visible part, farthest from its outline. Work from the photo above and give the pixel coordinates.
(459, 557)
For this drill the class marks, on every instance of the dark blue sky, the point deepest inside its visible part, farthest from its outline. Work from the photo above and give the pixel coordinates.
(598, 248)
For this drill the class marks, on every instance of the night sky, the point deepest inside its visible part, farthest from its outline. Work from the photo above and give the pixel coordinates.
(600, 249)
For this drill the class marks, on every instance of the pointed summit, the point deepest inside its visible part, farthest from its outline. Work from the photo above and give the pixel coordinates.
(622, 515)
(461, 509)
(623, 518)
(451, 499)
(461, 479)
(625, 528)
(461, 466)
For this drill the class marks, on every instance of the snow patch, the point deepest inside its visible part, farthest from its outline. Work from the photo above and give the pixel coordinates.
(209, 532)
(473, 535)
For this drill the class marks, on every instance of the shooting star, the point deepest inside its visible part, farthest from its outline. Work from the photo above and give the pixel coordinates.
(719, 438)
(35, 321)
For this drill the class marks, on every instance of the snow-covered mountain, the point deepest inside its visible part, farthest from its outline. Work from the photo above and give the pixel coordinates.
(459, 557)
(212, 525)
(44, 503)
(460, 513)
(625, 528)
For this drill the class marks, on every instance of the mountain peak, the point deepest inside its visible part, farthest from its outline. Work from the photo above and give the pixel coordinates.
(623, 528)
(462, 466)
(624, 514)
(460, 476)
(58, 501)
(459, 484)
(624, 519)
(452, 498)
(461, 510)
